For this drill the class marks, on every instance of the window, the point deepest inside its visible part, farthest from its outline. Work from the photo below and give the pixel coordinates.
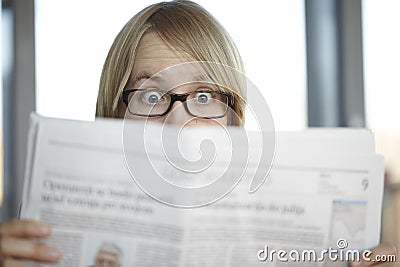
(381, 78)
(382, 63)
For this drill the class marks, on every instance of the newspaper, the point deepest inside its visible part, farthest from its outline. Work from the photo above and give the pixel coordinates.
(325, 187)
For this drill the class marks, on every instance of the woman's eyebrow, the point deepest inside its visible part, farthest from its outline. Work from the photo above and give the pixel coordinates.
(140, 76)
(147, 76)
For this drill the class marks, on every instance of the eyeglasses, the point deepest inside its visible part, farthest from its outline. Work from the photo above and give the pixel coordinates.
(207, 103)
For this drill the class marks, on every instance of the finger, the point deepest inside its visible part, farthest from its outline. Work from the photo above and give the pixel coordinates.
(24, 228)
(28, 249)
(377, 256)
(15, 263)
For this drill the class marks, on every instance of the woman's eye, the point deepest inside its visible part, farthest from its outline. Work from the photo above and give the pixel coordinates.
(151, 97)
(203, 97)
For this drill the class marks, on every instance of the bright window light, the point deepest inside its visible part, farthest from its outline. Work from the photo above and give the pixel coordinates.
(381, 22)
(382, 81)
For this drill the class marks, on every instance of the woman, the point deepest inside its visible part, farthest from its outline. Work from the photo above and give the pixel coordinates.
(158, 37)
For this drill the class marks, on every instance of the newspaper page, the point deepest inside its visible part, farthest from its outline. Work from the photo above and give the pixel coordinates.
(324, 189)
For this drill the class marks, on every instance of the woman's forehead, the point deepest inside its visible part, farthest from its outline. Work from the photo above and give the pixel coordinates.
(153, 55)
(158, 64)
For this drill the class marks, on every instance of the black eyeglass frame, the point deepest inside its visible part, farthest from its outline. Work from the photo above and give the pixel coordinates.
(176, 97)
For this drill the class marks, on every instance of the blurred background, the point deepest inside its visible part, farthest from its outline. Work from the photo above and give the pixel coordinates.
(319, 63)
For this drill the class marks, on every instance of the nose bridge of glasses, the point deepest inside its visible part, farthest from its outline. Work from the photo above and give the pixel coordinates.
(178, 112)
(178, 97)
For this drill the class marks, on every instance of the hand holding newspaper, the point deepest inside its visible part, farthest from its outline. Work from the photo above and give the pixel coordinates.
(324, 190)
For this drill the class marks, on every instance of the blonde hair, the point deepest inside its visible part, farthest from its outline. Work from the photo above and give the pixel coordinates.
(184, 25)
